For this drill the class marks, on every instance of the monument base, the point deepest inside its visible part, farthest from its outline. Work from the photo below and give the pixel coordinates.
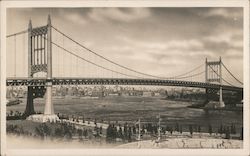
(221, 104)
(215, 104)
(43, 118)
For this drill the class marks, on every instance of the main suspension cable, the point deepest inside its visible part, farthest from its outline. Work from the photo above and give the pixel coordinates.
(91, 62)
(158, 77)
(18, 33)
(231, 74)
(222, 77)
(191, 75)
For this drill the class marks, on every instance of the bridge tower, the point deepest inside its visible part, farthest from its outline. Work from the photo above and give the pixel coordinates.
(40, 60)
(213, 73)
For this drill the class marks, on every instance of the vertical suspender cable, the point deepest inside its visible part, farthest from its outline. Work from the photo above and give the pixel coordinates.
(15, 56)
(23, 54)
(61, 62)
(37, 50)
(71, 65)
(56, 60)
(34, 51)
(62, 66)
(41, 51)
(45, 49)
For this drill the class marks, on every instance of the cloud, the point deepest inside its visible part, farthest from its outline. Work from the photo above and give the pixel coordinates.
(234, 54)
(223, 12)
(225, 43)
(153, 40)
(73, 17)
(162, 45)
(117, 14)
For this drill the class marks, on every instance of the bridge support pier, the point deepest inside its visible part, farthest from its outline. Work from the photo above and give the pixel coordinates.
(212, 98)
(42, 64)
(30, 102)
(221, 102)
(48, 110)
(48, 115)
(211, 69)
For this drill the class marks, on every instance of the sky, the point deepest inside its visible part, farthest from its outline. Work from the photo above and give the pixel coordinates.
(157, 41)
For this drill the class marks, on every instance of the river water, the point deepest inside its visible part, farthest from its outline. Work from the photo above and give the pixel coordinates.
(129, 109)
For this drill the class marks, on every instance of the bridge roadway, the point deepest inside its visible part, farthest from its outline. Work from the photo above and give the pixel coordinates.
(114, 81)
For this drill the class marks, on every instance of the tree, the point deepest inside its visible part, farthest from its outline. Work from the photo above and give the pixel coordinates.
(58, 132)
(191, 129)
(129, 134)
(79, 132)
(220, 131)
(46, 129)
(176, 127)
(109, 133)
(85, 133)
(43, 130)
(120, 135)
(125, 131)
(11, 112)
(134, 130)
(83, 119)
(233, 129)
(150, 128)
(67, 131)
(100, 129)
(241, 134)
(227, 133)
(171, 130)
(199, 128)
(210, 129)
(181, 129)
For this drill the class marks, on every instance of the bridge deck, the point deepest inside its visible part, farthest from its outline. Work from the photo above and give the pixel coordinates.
(113, 81)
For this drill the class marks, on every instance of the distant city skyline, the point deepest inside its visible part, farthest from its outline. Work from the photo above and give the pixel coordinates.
(157, 41)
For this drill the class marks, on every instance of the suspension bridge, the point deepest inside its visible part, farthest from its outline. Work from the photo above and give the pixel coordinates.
(41, 62)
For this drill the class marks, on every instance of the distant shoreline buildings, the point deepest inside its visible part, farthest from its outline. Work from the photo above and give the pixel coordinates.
(104, 91)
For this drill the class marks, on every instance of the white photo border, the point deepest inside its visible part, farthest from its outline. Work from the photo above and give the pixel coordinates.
(120, 3)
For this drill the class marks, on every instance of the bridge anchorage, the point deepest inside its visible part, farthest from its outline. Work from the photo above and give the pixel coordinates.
(40, 60)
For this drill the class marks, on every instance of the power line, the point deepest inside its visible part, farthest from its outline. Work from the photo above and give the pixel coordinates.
(231, 74)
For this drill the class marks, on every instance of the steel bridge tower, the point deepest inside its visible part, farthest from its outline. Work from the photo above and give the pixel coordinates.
(40, 60)
(213, 73)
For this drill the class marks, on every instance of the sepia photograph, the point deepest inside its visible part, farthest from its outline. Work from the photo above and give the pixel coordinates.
(125, 77)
